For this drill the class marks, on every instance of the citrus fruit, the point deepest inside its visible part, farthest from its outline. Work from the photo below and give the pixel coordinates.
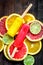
(2, 25)
(33, 47)
(29, 17)
(5, 52)
(35, 27)
(1, 45)
(29, 60)
(33, 34)
(7, 39)
(10, 20)
(19, 53)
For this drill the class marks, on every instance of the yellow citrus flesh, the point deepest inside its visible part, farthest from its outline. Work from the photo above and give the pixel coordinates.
(5, 52)
(1, 45)
(29, 17)
(33, 47)
(10, 20)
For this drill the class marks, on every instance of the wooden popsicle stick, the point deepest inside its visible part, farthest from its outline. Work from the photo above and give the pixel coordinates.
(27, 9)
(24, 13)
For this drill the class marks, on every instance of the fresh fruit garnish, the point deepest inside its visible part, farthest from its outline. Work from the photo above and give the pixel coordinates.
(7, 39)
(1, 45)
(5, 52)
(35, 37)
(10, 20)
(19, 53)
(33, 47)
(35, 27)
(29, 17)
(29, 60)
(2, 25)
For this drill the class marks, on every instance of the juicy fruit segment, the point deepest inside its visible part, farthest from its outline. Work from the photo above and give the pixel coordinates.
(35, 37)
(10, 20)
(33, 47)
(7, 39)
(5, 52)
(29, 17)
(20, 53)
(1, 45)
(29, 60)
(2, 25)
(35, 28)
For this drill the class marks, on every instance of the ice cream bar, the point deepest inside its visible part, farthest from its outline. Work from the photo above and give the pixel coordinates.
(15, 27)
(21, 36)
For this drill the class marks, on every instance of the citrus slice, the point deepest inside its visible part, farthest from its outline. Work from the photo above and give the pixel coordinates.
(29, 60)
(33, 47)
(2, 25)
(19, 53)
(33, 34)
(5, 52)
(10, 20)
(7, 39)
(35, 27)
(1, 45)
(29, 17)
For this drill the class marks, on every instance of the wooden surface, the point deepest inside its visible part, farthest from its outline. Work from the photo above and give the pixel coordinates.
(18, 6)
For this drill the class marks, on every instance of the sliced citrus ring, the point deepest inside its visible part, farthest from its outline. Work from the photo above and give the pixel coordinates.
(11, 18)
(33, 47)
(7, 39)
(19, 54)
(35, 27)
(35, 37)
(1, 45)
(29, 60)
(5, 52)
(29, 17)
(2, 25)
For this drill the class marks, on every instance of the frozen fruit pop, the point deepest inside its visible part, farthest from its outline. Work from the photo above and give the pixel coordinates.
(15, 27)
(20, 38)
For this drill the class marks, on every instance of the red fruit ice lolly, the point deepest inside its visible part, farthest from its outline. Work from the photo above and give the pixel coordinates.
(21, 36)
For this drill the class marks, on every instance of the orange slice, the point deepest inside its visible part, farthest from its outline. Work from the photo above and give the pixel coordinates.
(11, 18)
(1, 45)
(33, 47)
(29, 17)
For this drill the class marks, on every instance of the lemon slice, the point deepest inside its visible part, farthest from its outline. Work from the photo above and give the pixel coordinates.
(35, 27)
(29, 60)
(33, 47)
(1, 45)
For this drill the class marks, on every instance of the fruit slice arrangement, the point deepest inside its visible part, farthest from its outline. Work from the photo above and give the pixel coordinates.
(17, 49)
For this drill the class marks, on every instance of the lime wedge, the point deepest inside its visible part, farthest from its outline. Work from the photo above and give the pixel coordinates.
(29, 60)
(7, 39)
(35, 27)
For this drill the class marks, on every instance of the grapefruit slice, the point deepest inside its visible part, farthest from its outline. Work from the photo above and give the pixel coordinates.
(5, 52)
(35, 37)
(7, 39)
(29, 17)
(20, 53)
(29, 60)
(10, 20)
(33, 47)
(1, 45)
(2, 25)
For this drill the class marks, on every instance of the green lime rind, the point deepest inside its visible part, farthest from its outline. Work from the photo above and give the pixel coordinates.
(7, 39)
(35, 27)
(29, 60)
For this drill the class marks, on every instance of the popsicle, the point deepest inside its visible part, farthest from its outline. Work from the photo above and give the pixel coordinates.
(20, 38)
(17, 23)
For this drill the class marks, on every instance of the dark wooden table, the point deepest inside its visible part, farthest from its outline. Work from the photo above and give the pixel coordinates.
(18, 6)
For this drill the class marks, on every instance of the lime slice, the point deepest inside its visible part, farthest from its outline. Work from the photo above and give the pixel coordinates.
(35, 27)
(7, 39)
(29, 60)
